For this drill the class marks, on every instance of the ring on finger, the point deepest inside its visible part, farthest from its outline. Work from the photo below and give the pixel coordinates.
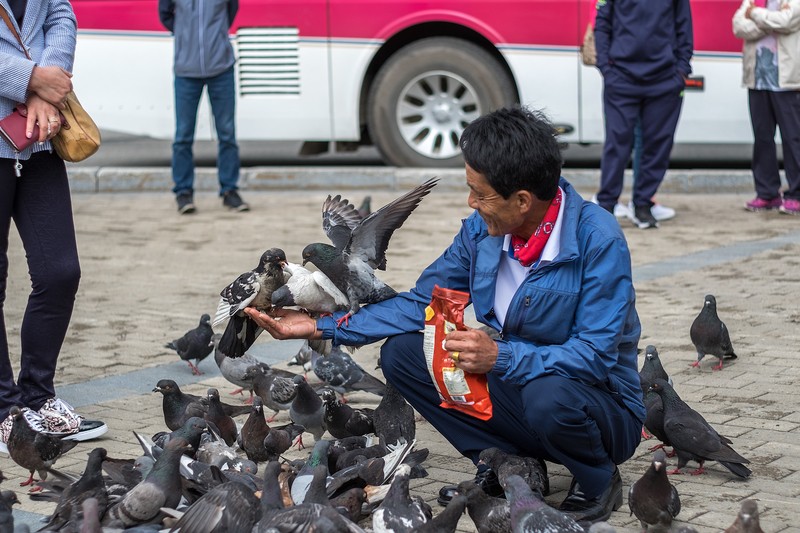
(454, 356)
(53, 120)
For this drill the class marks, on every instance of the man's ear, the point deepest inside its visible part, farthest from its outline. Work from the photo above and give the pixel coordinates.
(525, 200)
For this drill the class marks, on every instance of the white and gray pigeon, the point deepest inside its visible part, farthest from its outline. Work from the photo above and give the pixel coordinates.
(250, 289)
(195, 345)
(710, 335)
(235, 369)
(309, 290)
(357, 251)
(341, 373)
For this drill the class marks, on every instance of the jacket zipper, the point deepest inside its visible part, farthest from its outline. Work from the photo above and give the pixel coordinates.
(201, 34)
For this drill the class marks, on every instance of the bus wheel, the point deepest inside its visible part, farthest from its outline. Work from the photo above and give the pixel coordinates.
(424, 96)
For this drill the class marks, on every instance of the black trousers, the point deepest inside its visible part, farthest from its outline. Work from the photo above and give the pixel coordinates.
(553, 418)
(39, 204)
(769, 109)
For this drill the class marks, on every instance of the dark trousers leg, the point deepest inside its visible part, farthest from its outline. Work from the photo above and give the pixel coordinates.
(621, 114)
(787, 105)
(39, 204)
(766, 176)
(554, 418)
(659, 115)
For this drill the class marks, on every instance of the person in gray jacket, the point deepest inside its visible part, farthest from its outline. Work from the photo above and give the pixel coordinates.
(771, 73)
(203, 58)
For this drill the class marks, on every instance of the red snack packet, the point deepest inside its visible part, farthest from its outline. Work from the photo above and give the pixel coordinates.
(465, 392)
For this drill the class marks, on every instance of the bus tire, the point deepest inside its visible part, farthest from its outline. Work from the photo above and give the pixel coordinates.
(424, 96)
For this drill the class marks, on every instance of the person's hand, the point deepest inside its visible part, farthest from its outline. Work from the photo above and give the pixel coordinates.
(285, 324)
(477, 352)
(749, 9)
(51, 84)
(46, 115)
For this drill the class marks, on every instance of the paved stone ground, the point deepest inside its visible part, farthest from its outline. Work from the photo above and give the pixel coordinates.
(148, 274)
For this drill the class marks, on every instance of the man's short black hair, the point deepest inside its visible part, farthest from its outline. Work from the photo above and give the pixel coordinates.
(515, 148)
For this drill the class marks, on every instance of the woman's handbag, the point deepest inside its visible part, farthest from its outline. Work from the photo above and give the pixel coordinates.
(588, 52)
(78, 137)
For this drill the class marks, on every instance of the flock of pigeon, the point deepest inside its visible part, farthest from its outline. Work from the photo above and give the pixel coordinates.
(202, 473)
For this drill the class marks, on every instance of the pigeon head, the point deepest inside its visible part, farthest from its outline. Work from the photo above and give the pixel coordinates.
(659, 459)
(272, 256)
(166, 386)
(297, 380)
(195, 424)
(213, 394)
(651, 352)
(98, 452)
(15, 412)
(710, 302)
(252, 371)
(749, 514)
(9, 496)
(328, 396)
(319, 253)
(205, 319)
(469, 489)
(490, 456)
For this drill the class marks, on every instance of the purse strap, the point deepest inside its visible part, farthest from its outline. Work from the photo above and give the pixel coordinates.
(11, 27)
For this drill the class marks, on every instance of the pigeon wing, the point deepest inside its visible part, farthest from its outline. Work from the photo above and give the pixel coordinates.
(339, 218)
(370, 239)
(236, 296)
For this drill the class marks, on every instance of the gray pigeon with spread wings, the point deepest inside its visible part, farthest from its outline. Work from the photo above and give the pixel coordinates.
(710, 335)
(360, 249)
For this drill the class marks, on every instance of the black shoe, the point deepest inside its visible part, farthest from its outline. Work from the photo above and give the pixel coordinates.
(232, 200)
(486, 479)
(595, 509)
(643, 217)
(185, 203)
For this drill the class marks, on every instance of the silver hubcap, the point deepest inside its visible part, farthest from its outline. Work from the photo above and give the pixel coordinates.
(433, 110)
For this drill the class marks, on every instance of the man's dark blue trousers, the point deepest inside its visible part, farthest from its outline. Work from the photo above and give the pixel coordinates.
(553, 418)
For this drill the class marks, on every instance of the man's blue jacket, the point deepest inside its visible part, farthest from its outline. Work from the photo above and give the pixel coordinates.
(574, 317)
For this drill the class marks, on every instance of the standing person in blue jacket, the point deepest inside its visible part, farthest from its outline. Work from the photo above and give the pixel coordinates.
(203, 58)
(643, 52)
(552, 273)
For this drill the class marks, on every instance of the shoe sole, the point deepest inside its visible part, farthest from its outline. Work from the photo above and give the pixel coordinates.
(3, 448)
(643, 225)
(187, 210)
(787, 212)
(241, 208)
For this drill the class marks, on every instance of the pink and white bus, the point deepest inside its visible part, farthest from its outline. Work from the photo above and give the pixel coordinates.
(405, 76)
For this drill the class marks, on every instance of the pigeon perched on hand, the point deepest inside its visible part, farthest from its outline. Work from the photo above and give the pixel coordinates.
(32, 450)
(652, 498)
(195, 344)
(693, 438)
(710, 335)
(250, 289)
(357, 251)
(312, 291)
(747, 519)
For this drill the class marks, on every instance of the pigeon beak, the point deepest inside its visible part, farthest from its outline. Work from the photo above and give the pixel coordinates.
(156, 389)
(305, 261)
(658, 465)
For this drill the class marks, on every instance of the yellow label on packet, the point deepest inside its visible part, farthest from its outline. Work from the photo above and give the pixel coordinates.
(428, 313)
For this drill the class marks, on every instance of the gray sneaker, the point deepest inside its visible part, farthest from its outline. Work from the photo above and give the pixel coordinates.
(232, 200)
(185, 202)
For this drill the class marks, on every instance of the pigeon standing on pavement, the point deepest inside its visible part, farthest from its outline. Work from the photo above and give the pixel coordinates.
(398, 513)
(307, 409)
(7, 499)
(89, 485)
(747, 519)
(530, 469)
(356, 252)
(195, 344)
(710, 335)
(447, 520)
(161, 488)
(235, 369)
(178, 406)
(34, 451)
(490, 514)
(342, 421)
(654, 422)
(228, 507)
(275, 387)
(692, 437)
(652, 498)
(253, 433)
(394, 418)
(216, 415)
(530, 514)
(250, 289)
(341, 373)
(280, 438)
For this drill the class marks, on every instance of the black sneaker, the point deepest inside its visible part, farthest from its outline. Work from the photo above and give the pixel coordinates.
(232, 200)
(643, 217)
(185, 202)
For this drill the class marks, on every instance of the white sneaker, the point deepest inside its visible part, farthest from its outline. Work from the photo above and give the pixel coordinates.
(660, 212)
(59, 417)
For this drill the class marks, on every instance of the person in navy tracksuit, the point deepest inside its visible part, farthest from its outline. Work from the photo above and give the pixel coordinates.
(643, 52)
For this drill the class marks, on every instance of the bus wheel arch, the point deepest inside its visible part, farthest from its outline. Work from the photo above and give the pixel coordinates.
(422, 97)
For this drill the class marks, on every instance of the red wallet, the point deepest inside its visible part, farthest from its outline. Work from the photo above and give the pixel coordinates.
(12, 129)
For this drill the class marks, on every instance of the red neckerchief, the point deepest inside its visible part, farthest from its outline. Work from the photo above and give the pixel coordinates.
(529, 252)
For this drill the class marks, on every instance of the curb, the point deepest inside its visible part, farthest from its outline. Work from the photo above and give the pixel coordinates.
(149, 179)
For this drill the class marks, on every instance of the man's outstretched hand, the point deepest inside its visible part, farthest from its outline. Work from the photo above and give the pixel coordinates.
(285, 324)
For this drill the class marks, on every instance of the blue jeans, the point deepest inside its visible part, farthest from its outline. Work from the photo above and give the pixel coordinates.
(222, 93)
(557, 419)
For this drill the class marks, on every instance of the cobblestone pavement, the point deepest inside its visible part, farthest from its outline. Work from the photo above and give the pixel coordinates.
(148, 274)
